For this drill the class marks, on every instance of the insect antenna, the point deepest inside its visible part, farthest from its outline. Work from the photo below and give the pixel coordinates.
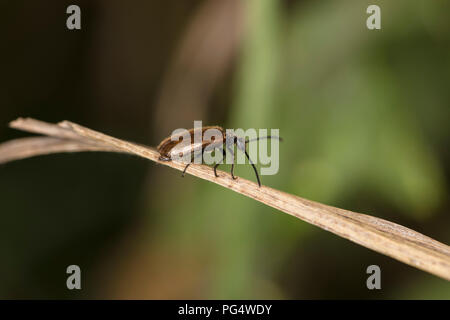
(251, 162)
(254, 168)
(262, 138)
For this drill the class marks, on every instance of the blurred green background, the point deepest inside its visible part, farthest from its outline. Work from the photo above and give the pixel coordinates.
(364, 115)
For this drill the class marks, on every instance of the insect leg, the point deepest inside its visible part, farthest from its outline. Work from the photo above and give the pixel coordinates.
(232, 164)
(192, 159)
(217, 164)
(185, 168)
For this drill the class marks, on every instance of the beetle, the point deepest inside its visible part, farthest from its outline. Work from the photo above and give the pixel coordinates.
(169, 149)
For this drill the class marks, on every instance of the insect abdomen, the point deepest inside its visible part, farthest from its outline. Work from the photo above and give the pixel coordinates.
(168, 148)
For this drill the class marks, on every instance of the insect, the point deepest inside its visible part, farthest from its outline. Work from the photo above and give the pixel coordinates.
(169, 149)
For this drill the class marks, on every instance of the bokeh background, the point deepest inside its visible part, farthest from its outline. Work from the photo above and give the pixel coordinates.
(364, 114)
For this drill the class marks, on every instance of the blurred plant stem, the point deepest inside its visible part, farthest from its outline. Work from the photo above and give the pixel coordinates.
(239, 265)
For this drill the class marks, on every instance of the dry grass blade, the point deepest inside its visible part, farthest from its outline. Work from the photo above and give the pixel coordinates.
(35, 146)
(388, 238)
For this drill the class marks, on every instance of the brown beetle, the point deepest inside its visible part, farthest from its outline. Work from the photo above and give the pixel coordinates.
(170, 149)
